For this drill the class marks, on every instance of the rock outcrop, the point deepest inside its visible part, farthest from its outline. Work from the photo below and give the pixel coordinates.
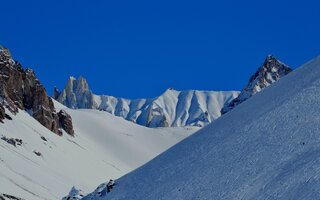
(20, 89)
(9, 197)
(271, 71)
(74, 194)
(66, 122)
(2, 113)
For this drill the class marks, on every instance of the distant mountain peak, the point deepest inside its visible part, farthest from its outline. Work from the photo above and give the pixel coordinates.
(170, 88)
(81, 85)
(272, 61)
(269, 72)
(76, 94)
(271, 57)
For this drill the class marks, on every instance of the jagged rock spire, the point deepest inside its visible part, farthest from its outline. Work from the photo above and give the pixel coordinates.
(271, 71)
(76, 94)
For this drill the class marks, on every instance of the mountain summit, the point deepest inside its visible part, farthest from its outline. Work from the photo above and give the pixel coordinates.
(271, 71)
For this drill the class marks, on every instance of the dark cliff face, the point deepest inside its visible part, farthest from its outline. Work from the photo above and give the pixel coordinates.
(20, 89)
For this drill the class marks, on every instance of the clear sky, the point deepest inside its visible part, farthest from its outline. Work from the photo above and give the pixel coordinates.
(137, 49)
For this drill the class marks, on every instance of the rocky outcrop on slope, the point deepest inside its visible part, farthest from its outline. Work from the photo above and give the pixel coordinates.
(66, 122)
(9, 197)
(20, 89)
(271, 71)
(74, 194)
(2, 114)
(172, 108)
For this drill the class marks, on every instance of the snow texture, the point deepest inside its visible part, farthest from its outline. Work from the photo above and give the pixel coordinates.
(266, 148)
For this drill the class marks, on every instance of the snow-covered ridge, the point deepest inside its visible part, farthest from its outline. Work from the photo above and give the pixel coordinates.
(266, 148)
(172, 108)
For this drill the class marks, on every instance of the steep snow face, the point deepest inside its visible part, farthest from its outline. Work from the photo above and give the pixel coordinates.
(271, 71)
(266, 148)
(172, 108)
(36, 164)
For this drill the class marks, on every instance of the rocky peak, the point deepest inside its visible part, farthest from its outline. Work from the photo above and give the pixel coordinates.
(21, 90)
(76, 94)
(81, 85)
(5, 56)
(271, 71)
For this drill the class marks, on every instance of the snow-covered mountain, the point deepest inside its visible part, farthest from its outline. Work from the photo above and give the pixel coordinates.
(266, 148)
(171, 109)
(271, 71)
(91, 146)
(46, 148)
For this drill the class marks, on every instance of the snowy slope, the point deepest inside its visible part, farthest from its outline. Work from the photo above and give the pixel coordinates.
(249, 153)
(46, 166)
(172, 108)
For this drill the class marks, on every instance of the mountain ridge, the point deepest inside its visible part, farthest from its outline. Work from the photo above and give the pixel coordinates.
(171, 108)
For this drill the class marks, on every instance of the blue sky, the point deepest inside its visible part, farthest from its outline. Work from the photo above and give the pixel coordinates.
(137, 49)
